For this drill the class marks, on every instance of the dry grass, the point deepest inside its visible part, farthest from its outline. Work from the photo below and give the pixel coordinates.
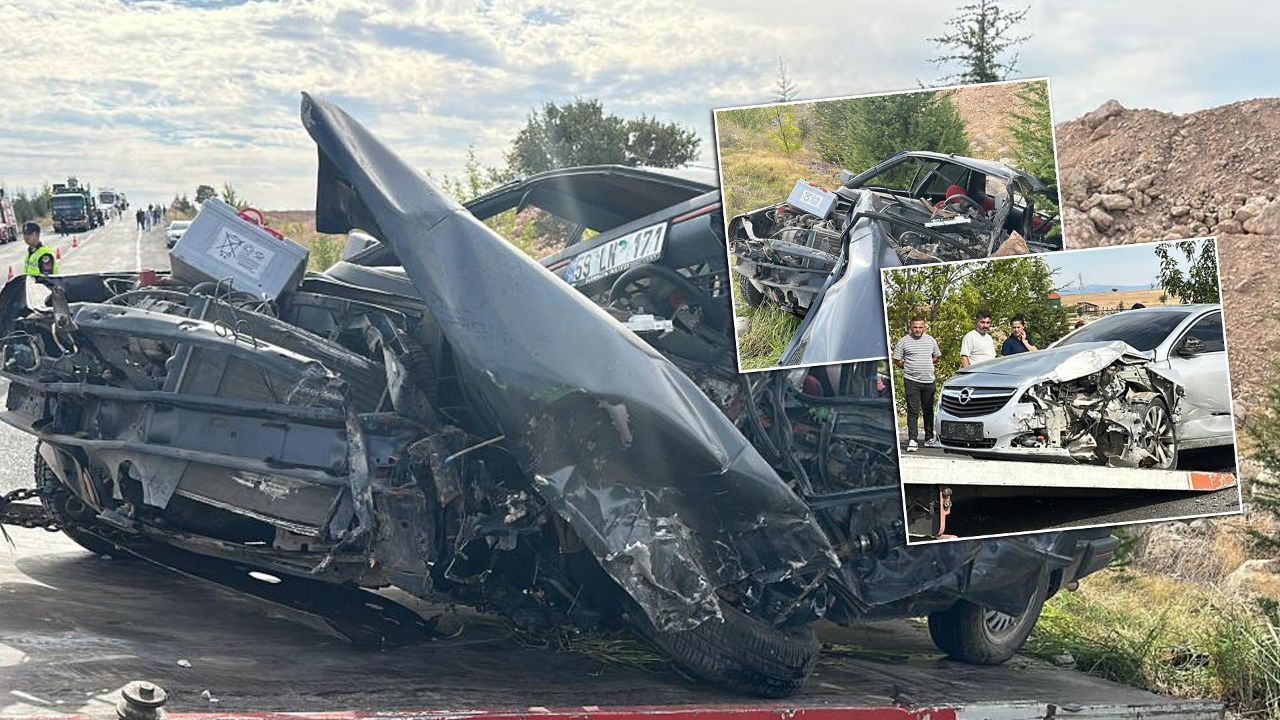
(300, 226)
(1167, 636)
(1109, 300)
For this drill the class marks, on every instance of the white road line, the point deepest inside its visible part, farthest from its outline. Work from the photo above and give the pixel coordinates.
(137, 252)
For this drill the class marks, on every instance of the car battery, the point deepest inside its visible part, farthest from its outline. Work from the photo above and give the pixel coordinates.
(221, 246)
(812, 199)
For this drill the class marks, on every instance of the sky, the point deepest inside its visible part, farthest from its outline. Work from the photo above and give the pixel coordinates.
(154, 98)
(1118, 265)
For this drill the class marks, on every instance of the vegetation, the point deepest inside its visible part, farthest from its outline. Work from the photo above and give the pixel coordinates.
(1199, 283)
(31, 206)
(784, 89)
(860, 132)
(581, 133)
(1168, 636)
(770, 332)
(1031, 130)
(204, 192)
(1264, 434)
(980, 34)
(232, 198)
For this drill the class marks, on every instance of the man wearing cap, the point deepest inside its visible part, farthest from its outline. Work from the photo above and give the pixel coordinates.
(40, 259)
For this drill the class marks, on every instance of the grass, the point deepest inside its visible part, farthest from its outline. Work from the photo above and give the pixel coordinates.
(770, 332)
(1170, 637)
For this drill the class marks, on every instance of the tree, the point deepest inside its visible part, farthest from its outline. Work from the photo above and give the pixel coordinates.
(980, 34)
(204, 192)
(230, 197)
(580, 133)
(784, 89)
(1199, 282)
(475, 180)
(1031, 130)
(860, 132)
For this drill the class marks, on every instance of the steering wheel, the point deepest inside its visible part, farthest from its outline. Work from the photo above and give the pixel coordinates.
(963, 201)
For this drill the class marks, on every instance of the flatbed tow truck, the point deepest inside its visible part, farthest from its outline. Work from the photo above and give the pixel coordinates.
(76, 628)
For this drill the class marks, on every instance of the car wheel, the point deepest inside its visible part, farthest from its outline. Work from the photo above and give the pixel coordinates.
(1160, 434)
(68, 511)
(740, 653)
(753, 294)
(982, 636)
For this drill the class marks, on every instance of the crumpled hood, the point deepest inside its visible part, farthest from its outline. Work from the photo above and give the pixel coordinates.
(650, 474)
(1057, 364)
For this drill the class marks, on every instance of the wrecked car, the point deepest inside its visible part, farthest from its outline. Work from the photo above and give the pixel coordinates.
(442, 414)
(1127, 390)
(818, 253)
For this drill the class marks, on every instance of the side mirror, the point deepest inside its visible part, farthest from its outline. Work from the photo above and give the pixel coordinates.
(1190, 347)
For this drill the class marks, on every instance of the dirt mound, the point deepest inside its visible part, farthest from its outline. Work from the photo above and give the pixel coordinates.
(985, 110)
(1140, 175)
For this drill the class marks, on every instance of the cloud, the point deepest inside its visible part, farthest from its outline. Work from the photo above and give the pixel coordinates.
(157, 97)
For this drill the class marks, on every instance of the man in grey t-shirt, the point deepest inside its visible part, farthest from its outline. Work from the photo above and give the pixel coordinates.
(917, 353)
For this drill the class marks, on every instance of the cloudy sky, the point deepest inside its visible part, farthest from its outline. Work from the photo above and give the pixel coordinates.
(156, 97)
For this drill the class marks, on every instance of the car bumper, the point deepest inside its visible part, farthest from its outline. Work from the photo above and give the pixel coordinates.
(997, 434)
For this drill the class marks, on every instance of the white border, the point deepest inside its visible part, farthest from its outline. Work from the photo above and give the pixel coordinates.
(1235, 440)
(724, 205)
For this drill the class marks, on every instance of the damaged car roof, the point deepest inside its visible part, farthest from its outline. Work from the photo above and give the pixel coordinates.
(986, 167)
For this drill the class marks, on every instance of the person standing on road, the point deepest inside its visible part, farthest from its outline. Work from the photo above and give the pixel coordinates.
(917, 353)
(977, 344)
(142, 219)
(1019, 340)
(40, 259)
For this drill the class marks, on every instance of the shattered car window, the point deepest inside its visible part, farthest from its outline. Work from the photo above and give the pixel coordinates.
(1142, 331)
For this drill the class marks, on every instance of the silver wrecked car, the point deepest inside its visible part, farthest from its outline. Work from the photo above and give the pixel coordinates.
(1128, 390)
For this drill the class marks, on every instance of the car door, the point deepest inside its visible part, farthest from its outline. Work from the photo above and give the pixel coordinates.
(1206, 409)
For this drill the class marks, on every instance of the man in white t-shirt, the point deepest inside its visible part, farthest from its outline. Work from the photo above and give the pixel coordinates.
(977, 344)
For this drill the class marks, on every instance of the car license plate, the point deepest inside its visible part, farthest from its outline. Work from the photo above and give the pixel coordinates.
(619, 254)
(968, 431)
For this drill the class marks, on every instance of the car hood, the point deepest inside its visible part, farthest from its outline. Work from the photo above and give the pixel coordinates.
(652, 477)
(1056, 364)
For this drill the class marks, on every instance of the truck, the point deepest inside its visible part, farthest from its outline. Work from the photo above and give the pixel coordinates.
(8, 219)
(73, 208)
(109, 202)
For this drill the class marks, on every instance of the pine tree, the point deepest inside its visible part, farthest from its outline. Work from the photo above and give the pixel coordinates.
(980, 34)
(784, 89)
(860, 132)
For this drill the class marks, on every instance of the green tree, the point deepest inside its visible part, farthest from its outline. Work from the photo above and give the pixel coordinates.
(1031, 130)
(475, 180)
(204, 192)
(980, 34)
(1264, 428)
(860, 132)
(581, 133)
(1199, 282)
(230, 197)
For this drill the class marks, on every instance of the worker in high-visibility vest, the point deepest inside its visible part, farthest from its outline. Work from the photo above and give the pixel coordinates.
(40, 259)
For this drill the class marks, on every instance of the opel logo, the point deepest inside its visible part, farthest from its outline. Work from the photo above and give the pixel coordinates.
(965, 395)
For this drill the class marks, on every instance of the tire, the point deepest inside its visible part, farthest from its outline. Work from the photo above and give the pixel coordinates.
(68, 511)
(1163, 440)
(972, 634)
(753, 294)
(741, 653)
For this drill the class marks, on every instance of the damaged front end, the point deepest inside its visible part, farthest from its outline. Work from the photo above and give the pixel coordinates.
(1103, 405)
(448, 442)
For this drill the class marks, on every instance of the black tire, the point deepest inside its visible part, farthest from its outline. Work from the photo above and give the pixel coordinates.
(972, 634)
(754, 295)
(1163, 442)
(68, 511)
(741, 653)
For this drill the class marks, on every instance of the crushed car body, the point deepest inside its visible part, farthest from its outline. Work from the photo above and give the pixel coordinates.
(1096, 403)
(818, 253)
(443, 414)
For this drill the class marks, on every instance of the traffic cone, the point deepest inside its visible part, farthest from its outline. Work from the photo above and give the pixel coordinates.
(75, 241)
(57, 253)
(10, 274)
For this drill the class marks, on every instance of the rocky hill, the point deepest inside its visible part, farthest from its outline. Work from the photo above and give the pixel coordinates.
(1138, 175)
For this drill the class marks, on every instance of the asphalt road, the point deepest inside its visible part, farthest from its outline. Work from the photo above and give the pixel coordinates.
(971, 516)
(117, 245)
